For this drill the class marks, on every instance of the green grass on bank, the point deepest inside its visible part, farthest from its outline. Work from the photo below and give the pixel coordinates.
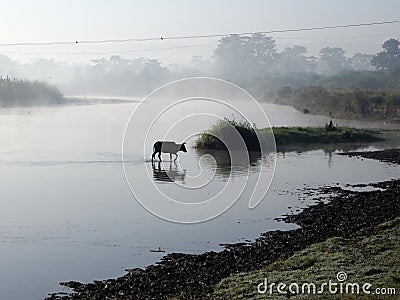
(374, 260)
(222, 130)
(293, 135)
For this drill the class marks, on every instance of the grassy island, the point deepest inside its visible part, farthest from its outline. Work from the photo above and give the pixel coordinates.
(283, 135)
(296, 135)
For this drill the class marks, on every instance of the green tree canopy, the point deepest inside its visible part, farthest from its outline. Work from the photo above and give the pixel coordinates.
(389, 57)
(244, 55)
(332, 60)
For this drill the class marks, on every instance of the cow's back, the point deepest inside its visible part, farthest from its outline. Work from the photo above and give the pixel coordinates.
(169, 147)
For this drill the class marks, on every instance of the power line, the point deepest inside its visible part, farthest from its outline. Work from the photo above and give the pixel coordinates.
(337, 37)
(285, 30)
(108, 52)
(188, 46)
(192, 36)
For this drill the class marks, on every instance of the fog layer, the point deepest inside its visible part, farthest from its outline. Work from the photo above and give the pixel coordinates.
(251, 61)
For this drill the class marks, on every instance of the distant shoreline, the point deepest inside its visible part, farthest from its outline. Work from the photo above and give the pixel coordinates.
(351, 103)
(97, 100)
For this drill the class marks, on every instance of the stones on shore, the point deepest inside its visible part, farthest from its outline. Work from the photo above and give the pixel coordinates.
(388, 155)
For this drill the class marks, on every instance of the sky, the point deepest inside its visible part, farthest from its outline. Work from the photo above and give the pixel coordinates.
(72, 20)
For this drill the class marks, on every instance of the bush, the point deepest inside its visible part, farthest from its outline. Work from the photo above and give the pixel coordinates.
(209, 139)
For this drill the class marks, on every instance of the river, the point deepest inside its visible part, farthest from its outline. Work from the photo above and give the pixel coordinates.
(67, 212)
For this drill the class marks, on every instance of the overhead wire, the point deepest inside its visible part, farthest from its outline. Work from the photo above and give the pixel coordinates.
(193, 36)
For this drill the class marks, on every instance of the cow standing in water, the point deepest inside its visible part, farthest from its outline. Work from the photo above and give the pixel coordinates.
(167, 147)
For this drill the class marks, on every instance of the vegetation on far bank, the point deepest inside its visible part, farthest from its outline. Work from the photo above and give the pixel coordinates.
(343, 103)
(19, 93)
(212, 138)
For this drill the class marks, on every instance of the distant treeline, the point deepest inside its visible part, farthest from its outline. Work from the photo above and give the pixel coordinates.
(266, 86)
(252, 61)
(15, 93)
(342, 103)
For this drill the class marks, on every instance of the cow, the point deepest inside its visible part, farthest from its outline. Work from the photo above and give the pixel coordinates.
(167, 147)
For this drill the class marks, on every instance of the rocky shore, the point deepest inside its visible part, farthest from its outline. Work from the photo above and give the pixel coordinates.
(389, 155)
(183, 276)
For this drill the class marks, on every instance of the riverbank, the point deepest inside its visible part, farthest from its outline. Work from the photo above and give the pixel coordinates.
(348, 216)
(353, 103)
(389, 155)
(372, 259)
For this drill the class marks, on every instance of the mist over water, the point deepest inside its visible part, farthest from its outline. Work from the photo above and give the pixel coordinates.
(67, 212)
(88, 88)
(257, 62)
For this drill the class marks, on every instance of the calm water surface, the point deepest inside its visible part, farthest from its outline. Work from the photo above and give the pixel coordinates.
(67, 213)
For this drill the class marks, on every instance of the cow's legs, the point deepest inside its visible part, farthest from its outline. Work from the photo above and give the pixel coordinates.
(176, 156)
(170, 156)
(152, 156)
(159, 155)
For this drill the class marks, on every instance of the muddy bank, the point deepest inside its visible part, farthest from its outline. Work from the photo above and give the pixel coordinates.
(374, 259)
(389, 155)
(184, 276)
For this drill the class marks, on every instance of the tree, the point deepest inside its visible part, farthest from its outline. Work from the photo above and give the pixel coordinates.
(389, 57)
(361, 62)
(332, 60)
(7, 66)
(292, 59)
(261, 49)
(239, 57)
(312, 62)
(200, 65)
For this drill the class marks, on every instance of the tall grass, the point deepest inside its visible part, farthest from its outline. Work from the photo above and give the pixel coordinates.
(15, 92)
(223, 128)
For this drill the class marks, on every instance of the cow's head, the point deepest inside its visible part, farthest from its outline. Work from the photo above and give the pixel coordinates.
(183, 148)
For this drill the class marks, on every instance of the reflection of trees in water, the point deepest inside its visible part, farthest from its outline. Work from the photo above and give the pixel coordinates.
(300, 148)
(224, 166)
(329, 149)
(170, 173)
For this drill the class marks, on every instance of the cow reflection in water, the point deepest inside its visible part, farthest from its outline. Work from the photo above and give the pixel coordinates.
(168, 172)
